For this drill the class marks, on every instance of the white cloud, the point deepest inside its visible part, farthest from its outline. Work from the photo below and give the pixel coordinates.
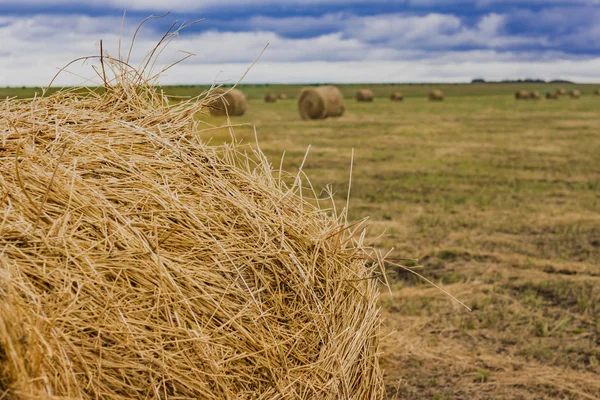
(440, 69)
(437, 31)
(178, 5)
(371, 49)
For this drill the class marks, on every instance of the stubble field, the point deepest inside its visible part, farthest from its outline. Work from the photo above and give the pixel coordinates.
(497, 201)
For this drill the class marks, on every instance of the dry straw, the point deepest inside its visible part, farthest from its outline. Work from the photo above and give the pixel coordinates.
(364, 95)
(575, 94)
(137, 261)
(522, 95)
(282, 96)
(271, 98)
(397, 96)
(232, 102)
(436, 95)
(320, 102)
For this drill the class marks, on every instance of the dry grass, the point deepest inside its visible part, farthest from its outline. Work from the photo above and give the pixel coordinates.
(137, 261)
(500, 206)
(436, 95)
(320, 102)
(365, 95)
(227, 102)
(397, 96)
(522, 95)
(271, 97)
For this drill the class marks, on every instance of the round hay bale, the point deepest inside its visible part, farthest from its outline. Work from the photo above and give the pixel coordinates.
(522, 95)
(271, 98)
(597, 92)
(364, 95)
(282, 96)
(552, 95)
(436, 95)
(397, 96)
(535, 95)
(562, 92)
(138, 261)
(575, 94)
(320, 102)
(231, 102)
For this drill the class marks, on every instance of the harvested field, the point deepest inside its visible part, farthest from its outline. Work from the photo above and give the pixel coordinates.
(500, 204)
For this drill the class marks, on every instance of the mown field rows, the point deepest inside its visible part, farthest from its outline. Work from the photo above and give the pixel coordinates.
(500, 203)
(494, 200)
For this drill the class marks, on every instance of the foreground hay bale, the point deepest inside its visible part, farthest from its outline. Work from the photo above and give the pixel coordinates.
(231, 102)
(282, 96)
(136, 261)
(552, 95)
(522, 95)
(320, 102)
(397, 96)
(575, 94)
(364, 95)
(436, 95)
(535, 95)
(271, 98)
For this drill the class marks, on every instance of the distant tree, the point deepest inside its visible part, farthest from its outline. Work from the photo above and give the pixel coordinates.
(478, 80)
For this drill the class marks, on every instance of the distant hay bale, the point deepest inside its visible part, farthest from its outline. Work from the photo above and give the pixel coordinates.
(562, 91)
(552, 95)
(397, 96)
(282, 96)
(364, 95)
(522, 95)
(436, 95)
(230, 102)
(597, 92)
(271, 98)
(575, 94)
(138, 261)
(320, 102)
(535, 95)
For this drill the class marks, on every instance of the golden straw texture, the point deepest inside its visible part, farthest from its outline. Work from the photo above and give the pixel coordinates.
(364, 95)
(436, 95)
(397, 96)
(136, 261)
(228, 102)
(320, 102)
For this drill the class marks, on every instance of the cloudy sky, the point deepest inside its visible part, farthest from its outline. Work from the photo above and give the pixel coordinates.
(310, 40)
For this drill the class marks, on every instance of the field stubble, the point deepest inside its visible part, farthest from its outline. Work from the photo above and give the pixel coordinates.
(499, 200)
(500, 203)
